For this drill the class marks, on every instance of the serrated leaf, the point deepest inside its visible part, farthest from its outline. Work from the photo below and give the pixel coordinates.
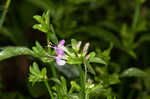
(36, 75)
(97, 60)
(40, 53)
(9, 52)
(133, 72)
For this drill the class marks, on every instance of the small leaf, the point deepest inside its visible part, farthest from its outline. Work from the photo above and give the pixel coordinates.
(90, 68)
(56, 80)
(40, 27)
(52, 37)
(63, 84)
(133, 72)
(9, 52)
(75, 86)
(142, 39)
(38, 18)
(74, 61)
(114, 79)
(92, 55)
(47, 17)
(36, 75)
(74, 43)
(97, 60)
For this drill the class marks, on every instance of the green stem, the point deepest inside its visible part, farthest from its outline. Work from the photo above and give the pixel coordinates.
(53, 71)
(82, 82)
(49, 51)
(48, 88)
(4, 12)
(86, 96)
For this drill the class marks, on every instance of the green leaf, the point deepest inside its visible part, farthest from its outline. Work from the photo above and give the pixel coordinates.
(36, 75)
(38, 18)
(63, 85)
(46, 17)
(9, 52)
(90, 68)
(133, 72)
(74, 43)
(40, 53)
(142, 39)
(52, 37)
(74, 60)
(97, 60)
(114, 79)
(96, 89)
(123, 31)
(92, 55)
(74, 87)
(40, 27)
(56, 80)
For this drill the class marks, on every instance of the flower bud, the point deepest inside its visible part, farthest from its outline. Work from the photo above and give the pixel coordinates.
(78, 45)
(87, 57)
(85, 49)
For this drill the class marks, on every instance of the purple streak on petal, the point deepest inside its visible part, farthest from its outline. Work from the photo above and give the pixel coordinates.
(59, 52)
(61, 43)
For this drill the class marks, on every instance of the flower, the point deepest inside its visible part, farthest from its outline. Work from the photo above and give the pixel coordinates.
(60, 48)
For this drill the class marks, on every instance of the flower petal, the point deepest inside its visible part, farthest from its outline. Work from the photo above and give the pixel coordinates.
(60, 62)
(59, 52)
(61, 43)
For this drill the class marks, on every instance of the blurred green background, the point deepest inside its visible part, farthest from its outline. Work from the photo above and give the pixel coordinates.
(125, 23)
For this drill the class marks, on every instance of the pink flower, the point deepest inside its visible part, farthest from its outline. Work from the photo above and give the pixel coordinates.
(60, 48)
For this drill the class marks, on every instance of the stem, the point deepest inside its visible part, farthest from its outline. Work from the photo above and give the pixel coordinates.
(49, 51)
(86, 96)
(53, 71)
(48, 88)
(85, 68)
(82, 81)
(4, 12)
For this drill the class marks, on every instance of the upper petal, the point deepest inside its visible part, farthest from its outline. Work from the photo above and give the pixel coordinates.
(61, 43)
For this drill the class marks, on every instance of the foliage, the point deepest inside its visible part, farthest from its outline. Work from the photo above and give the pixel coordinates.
(117, 37)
